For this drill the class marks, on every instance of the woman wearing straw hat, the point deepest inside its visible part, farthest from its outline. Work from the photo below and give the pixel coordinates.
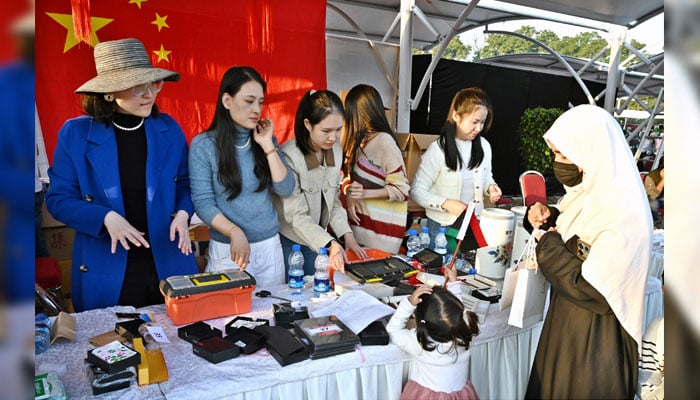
(120, 179)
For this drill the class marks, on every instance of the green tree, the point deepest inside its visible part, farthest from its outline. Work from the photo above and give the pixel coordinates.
(455, 50)
(584, 45)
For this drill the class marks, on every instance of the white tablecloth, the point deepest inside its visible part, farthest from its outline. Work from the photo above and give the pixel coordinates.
(501, 360)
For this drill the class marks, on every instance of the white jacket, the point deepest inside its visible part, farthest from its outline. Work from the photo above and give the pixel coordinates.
(434, 182)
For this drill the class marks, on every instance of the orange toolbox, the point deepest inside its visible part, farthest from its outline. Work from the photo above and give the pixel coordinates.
(198, 297)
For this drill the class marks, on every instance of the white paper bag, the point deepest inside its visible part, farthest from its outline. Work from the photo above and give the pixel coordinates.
(530, 291)
(509, 281)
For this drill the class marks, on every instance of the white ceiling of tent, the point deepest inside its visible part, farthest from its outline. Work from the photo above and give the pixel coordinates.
(374, 18)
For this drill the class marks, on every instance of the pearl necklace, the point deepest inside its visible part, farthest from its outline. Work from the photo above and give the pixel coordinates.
(129, 129)
(247, 142)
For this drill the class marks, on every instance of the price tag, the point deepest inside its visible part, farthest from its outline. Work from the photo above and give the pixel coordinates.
(158, 334)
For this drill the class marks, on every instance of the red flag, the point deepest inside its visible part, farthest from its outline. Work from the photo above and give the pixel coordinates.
(198, 39)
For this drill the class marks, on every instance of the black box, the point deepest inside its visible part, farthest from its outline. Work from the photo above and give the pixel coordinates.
(326, 336)
(375, 334)
(430, 260)
(197, 332)
(215, 349)
(129, 329)
(386, 270)
(113, 357)
(248, 340)
(285, 314)
(282, 345)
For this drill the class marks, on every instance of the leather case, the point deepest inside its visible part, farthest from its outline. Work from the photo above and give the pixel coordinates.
(374, 334)
(282, 345)
(430, 260)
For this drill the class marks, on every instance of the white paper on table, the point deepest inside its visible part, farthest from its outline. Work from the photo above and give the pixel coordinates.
(356, 308)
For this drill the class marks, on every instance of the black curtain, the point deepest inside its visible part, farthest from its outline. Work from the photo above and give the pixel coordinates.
(512, 91)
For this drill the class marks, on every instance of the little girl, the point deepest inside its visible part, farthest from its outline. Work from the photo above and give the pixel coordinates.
(439, 344)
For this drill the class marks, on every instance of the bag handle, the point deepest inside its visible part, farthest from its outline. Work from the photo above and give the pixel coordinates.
(529, 252)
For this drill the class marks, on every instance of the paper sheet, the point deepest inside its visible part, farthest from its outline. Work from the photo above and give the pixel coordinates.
(356, 308)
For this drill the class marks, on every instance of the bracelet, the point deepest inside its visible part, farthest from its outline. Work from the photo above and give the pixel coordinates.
(272, 150)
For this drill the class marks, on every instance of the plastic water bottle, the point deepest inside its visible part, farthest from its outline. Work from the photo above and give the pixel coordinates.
(441, 243)
(296, 269)
(413, 243)
(321, 278)
(42, 333)
(424, 238)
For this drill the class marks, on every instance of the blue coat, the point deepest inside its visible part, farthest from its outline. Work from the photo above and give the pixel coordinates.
(85, 186)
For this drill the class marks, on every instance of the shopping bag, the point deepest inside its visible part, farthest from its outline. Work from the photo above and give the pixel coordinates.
(530, 292)
(527, 261)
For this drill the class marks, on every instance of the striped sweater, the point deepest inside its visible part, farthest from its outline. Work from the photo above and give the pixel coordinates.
(379, 164)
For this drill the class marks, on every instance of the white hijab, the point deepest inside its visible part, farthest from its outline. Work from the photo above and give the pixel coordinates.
(608, 210)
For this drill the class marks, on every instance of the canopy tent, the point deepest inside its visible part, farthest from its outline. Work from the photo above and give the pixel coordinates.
(424, 24)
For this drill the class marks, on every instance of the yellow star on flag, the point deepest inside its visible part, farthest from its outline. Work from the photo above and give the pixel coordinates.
(66, 21)
(137, 2)
(160, 22)
(162, 54)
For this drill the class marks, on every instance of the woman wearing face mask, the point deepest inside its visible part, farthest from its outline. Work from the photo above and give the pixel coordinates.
(119, 177)
(456, 169)
(235, 170)
(595, 255)
(315, 158)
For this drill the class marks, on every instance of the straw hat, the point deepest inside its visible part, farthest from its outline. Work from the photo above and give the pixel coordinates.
(122, 64)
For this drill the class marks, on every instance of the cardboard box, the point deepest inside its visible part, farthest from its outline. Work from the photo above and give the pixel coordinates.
(66, 273)
(48, 221)
(412, 146)
(59, 241)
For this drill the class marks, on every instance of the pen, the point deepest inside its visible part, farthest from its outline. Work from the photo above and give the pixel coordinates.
(373, 280)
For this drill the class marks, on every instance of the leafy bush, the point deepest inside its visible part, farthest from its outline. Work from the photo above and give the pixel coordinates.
(534, 152)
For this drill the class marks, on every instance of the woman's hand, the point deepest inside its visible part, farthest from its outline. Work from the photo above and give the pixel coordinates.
(240, 249)
(354, 190)
(494, 192)
(121, 231)
(180, 226)
(454, 207)
(263, 133)
(420, 290)
(354, 207)
(351, 244)
(538, 214)
(337, 256)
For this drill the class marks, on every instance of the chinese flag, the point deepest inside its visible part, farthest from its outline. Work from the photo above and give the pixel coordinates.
(198, 39)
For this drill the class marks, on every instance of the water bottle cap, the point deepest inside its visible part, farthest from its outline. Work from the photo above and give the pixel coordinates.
(443, 229)
(424, 229)
(40, 317)
(323, 250)
(296, 247)
(412, 232)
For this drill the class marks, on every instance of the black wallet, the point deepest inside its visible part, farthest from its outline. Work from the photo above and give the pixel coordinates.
(374, 334)
(282, 345)
(285, 314)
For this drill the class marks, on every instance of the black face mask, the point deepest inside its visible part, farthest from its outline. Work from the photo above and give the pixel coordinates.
(567, 174)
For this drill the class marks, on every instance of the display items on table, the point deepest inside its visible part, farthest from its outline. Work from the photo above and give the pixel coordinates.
(113, 357)
(198, 297)
(325, 336)
(241, 332)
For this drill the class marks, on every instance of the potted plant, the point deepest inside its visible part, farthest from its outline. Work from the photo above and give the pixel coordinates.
(534, 152)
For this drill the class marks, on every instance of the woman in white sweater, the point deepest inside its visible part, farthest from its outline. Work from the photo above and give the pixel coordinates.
(456, 169)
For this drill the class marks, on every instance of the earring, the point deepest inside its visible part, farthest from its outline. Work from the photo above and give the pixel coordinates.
(109, 97)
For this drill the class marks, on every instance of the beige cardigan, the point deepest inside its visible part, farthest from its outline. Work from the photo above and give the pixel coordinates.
(302, 219)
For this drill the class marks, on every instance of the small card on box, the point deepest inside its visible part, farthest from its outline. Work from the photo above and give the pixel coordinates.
(215, 349)
(113, 357)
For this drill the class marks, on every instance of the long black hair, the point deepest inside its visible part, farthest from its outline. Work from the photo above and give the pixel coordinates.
(95, 105)
(315, 105)
(364, 114)
(225, 128)
(440, 317)
(464, 102)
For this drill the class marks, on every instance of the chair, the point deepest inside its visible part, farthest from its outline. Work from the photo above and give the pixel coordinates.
(533, 188)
